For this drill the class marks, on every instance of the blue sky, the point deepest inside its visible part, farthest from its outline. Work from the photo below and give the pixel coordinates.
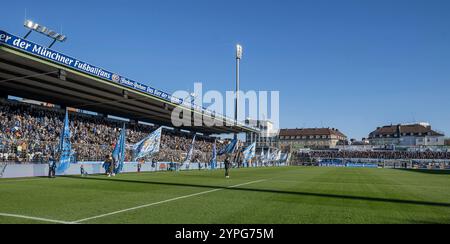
(352, 65)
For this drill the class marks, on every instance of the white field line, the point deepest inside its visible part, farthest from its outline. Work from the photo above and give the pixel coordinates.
(24, 180)
(34, 218)
(161, 202)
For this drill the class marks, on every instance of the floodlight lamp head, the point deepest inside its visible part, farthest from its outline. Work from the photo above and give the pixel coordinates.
(44, 30)
(239, 51)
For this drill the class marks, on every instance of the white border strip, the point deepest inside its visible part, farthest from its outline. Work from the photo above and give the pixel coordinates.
(165, 201)
(35, 218)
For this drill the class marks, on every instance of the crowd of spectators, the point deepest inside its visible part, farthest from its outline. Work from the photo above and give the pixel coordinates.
(30, 133)
(373, 155)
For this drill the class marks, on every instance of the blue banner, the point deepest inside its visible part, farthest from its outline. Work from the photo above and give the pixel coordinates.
(148, 146)
(119, 151)
(65, 147)
(59, 58)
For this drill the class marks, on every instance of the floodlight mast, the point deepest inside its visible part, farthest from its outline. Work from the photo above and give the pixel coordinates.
(32, 26)
(239, 51)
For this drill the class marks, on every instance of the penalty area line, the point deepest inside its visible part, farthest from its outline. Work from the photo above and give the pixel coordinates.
(164, 201)
(17, 216)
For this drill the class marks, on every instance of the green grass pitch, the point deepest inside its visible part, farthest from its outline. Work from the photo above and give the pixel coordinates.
(261, 196)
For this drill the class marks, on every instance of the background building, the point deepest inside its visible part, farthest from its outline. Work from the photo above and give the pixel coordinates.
(267, 136)
(419, 134)
(316, 138)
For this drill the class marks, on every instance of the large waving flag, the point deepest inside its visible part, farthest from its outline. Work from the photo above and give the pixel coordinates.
(278, 157)
(274, 155)
(249, 153)
(119, 151)
(285, 158)
(268, 156)
(214, 157)
(65, 147)
(230, 148)
(190, 153)
(149, 145)
(2, 169)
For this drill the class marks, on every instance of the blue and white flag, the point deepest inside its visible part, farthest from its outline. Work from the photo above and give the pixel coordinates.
(149, 145)
(230, 148)
(249, 153)
(190, 153)
(284, 158)
(263, 156)
(274, 155)
(268, 156)
(214, 157)
(278, 156)
(119, 151)
(65, 147)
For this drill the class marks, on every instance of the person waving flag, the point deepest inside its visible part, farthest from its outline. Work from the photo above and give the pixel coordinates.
(214, 157)
(230, 148)
(189, 155)
(148, 146)
(249, 153)
(119, 152)
(65, 147)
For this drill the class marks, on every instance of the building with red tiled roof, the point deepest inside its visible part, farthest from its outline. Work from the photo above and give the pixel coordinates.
(447, 142)
(311, 138)
(419, 134)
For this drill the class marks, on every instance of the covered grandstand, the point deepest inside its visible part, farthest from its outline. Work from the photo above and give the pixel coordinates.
(32, 71)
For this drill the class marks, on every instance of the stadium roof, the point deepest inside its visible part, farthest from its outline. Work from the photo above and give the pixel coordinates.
(419, 129)
(32, 71)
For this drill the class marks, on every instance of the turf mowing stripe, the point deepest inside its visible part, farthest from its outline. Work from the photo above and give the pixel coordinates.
(161, 202)
(35, 218)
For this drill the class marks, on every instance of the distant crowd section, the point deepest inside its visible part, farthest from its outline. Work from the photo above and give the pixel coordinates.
(372, 155)
(29, 133)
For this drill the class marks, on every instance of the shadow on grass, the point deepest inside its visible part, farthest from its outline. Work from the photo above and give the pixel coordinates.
(373, 199)
(428, 171)
(429, 222)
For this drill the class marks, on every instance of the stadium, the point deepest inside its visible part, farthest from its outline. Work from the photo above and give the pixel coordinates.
(80, 144)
